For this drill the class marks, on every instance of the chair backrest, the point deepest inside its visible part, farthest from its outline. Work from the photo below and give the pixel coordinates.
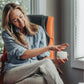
(42, 21)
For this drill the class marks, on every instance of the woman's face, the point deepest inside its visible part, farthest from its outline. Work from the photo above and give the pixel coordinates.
(17, 18)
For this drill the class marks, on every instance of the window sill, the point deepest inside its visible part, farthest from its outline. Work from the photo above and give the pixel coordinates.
(78, 63)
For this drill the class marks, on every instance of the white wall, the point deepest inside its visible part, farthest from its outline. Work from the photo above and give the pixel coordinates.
(49, 8)
(53, 9)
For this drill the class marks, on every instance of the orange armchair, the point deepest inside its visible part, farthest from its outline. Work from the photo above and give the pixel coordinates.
(47, 22)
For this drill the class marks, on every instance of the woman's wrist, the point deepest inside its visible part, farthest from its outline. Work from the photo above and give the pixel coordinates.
(50, 47)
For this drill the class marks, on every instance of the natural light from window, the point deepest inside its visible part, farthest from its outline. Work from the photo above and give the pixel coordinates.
(79, 29)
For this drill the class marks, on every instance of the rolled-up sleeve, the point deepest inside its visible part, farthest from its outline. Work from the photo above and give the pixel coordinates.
(13, 48)
(43, 43)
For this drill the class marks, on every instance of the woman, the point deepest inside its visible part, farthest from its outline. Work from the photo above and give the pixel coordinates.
(27, 52)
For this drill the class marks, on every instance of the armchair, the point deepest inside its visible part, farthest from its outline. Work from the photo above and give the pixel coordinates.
(47, 22)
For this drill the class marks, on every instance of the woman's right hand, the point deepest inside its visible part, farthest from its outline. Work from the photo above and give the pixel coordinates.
(58, 47)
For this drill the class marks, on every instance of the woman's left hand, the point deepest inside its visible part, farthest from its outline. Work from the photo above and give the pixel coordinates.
(58, 60)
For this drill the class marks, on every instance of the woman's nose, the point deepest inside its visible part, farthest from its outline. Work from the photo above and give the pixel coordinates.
(19, 20)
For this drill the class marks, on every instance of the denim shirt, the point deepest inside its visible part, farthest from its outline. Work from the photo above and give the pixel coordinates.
(15, 50)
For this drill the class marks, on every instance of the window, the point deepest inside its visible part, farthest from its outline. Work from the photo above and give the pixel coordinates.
(39, 7)
(79, 29)
(77, 34)
(25, 4)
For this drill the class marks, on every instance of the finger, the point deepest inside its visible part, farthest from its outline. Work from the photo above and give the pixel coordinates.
(62, 48)
(67, 55)
(56, 61)
(62, 61)
(59, 62)
(65, 44)
(58, 49)
(66, 59)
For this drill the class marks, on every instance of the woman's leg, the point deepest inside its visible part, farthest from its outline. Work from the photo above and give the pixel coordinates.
(17, 74)
(35, 79)
(45, 66)
(50, 72)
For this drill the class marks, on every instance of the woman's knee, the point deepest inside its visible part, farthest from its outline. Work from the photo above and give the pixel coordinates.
(48, 63)
(47, 60)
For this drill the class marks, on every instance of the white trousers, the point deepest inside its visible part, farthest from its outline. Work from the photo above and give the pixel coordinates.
(25, 74)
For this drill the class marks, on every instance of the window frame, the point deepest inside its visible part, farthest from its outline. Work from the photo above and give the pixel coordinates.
(39, 7)
(75, 63)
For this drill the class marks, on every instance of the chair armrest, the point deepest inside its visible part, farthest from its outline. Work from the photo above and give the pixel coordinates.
(50, 31)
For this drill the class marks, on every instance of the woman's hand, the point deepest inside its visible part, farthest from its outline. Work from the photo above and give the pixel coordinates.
(58, 47)
(58, 60)
(61, 47)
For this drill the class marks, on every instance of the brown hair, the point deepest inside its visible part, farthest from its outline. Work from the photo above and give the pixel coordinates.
(31, 28)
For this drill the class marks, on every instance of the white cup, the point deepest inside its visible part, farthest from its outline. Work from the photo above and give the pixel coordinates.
(62, 54)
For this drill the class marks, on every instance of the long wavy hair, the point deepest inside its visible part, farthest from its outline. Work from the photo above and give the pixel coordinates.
(31, 28)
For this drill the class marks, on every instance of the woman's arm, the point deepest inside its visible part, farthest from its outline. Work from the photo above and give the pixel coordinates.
(39, 52)
(20, 52)
(35, 52)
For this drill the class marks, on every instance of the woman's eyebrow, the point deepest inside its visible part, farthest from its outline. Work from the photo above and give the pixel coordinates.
(15, 18)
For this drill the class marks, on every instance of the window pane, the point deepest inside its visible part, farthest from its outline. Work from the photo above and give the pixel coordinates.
(25, 4)
(79, 29)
